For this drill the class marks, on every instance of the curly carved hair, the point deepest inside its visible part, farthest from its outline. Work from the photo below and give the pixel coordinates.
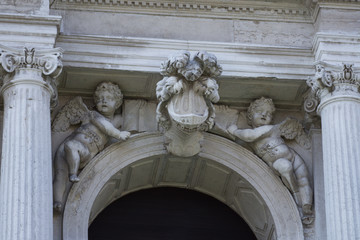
(176, 63)
(257, 103)
(209, 60)
(109, 87)
(173, 63)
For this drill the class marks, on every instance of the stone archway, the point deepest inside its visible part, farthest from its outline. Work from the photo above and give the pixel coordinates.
(222, 167)
(164, 213)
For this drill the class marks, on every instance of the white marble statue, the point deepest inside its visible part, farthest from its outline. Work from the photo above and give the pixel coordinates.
(186, 95)
(267, 142)
(89, 139)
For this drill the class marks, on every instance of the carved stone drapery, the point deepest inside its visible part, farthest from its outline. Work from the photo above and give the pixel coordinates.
(335, 97)
(186, 95)
(26, 173)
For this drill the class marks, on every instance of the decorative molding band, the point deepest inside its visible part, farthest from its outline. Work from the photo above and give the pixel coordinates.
(337, 45)
(333, 4)
(146, 54)
(208, 9)
(30, 19)
(19, 30)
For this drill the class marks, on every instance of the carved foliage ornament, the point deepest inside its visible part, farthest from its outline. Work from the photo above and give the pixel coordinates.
(47, 61)
(186, 95)
(188, 90)
(324, 82)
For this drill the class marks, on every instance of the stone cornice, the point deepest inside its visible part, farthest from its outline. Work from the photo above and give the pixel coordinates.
(208, 9)
(30, 19)
(19, 30)
(333, 4)
(345, 45)
(259, 10)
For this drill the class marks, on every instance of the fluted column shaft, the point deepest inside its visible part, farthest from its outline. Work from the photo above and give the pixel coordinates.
(341, 150)
(26, 174)
(335, 96)
(26, 166)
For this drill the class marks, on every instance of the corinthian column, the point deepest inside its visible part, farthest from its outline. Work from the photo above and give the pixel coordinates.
(336, 98)
(26, 173)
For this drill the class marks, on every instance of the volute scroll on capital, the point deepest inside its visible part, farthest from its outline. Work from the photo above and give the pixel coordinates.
(15, 62)
(326, 84)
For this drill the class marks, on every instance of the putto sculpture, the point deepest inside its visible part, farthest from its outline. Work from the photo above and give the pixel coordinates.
(186, 95)
(96, 128)
(267, 142)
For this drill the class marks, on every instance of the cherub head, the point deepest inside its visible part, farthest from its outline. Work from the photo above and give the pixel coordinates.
(108, 98)
(193, 70)
(260, 112)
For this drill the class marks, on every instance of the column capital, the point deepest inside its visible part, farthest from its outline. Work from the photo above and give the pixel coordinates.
(41, 66)
(331, 84)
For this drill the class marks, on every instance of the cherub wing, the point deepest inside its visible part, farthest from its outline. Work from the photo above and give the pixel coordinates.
(73, 112)
(291, 128)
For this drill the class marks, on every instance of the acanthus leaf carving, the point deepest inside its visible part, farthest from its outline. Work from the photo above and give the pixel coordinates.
(47, 61)
(323, 83)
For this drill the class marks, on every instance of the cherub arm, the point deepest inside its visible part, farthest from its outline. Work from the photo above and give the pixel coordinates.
(107, 127)
(249, 135)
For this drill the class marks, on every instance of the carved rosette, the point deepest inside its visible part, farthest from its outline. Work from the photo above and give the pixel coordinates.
(44, 65)
(326, 84)
(186, 95)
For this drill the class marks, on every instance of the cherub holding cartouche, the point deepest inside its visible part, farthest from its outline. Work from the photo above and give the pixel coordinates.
(95, 131)
(267, 142)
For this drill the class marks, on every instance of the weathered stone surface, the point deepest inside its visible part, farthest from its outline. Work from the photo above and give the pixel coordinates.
(40, 7)
(26, 173)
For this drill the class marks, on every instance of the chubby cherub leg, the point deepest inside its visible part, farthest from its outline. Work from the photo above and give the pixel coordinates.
(75, 152)
(305, 190)
(286, 171)
(60, 178)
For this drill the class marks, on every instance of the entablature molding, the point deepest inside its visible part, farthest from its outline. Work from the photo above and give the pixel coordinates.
(290, 10)
(17, 30)
(146, 54)
(336, 48)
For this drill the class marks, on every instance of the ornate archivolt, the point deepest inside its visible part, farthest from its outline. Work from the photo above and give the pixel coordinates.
(181, 153)
(223, 169)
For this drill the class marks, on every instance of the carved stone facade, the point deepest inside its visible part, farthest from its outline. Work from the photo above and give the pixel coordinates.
(186, 95)
(184, 120)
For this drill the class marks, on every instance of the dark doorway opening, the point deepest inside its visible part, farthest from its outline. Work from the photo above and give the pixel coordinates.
(169, 214)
